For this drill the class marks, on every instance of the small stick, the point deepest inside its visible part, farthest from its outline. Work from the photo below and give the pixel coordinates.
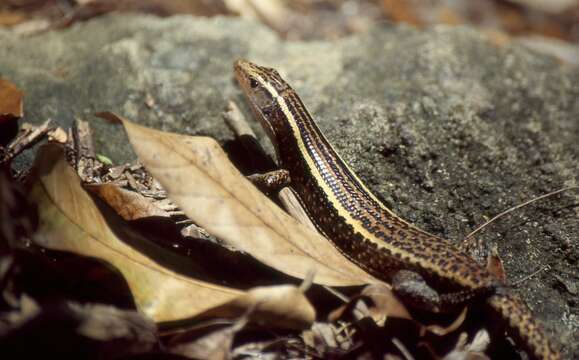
(544, 268)
(83, 139)
(183, 222)
(402, 349)
(26, 141)
(337, 294)
(518, 207)
(236, 121)
(308, 280)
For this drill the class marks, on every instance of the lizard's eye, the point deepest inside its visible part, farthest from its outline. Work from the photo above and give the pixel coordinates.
(253, 83)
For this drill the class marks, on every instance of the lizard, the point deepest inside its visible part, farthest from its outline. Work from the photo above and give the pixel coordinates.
(367, 232)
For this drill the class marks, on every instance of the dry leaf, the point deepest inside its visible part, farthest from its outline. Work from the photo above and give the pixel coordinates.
(10, 111)
(198, 176)
(108, 323)
(129, 205)
(385, 303)
(10, 101)
(442, 331)
(213, 346)
(278, 306)
(70, 221)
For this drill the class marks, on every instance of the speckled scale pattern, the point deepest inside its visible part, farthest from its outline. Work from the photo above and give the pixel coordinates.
(360, 226)
(380, 261)
(530, 333)
(396, 244)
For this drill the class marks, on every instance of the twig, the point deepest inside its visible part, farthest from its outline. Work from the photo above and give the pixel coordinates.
(26, 141)
(83, 150)
(544, 268)
(236, 121)
(308, 280)
(336, 293)
(402, 349)
(183, 222)
(518, 207)
(83, 142)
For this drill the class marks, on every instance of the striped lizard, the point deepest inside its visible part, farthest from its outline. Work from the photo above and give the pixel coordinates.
(361, 226)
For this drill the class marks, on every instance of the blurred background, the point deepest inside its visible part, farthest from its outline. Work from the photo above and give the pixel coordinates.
(549, 25)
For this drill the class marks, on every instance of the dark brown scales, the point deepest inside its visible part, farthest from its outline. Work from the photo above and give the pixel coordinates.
(393, 244)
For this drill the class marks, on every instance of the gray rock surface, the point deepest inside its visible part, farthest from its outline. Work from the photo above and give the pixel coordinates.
(443, 125)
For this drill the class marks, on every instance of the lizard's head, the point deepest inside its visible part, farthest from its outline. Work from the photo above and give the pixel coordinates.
(263, 87)
(259, 80)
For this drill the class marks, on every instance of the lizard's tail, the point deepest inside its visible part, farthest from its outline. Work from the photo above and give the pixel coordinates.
(523, 326)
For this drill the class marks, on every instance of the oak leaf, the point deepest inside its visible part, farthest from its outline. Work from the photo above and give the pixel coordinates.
(70, 220)
(199, 177)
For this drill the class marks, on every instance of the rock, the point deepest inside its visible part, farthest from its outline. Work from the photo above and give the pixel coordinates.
(446, 127)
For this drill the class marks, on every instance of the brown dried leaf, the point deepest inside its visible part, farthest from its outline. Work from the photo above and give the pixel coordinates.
(71, 221)
(108, 323)
(274, 300)
(129, 205)
(10, 101)
(279, 306)
(385, 303)
(213, 346)
(199, 177)
(442, 331)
